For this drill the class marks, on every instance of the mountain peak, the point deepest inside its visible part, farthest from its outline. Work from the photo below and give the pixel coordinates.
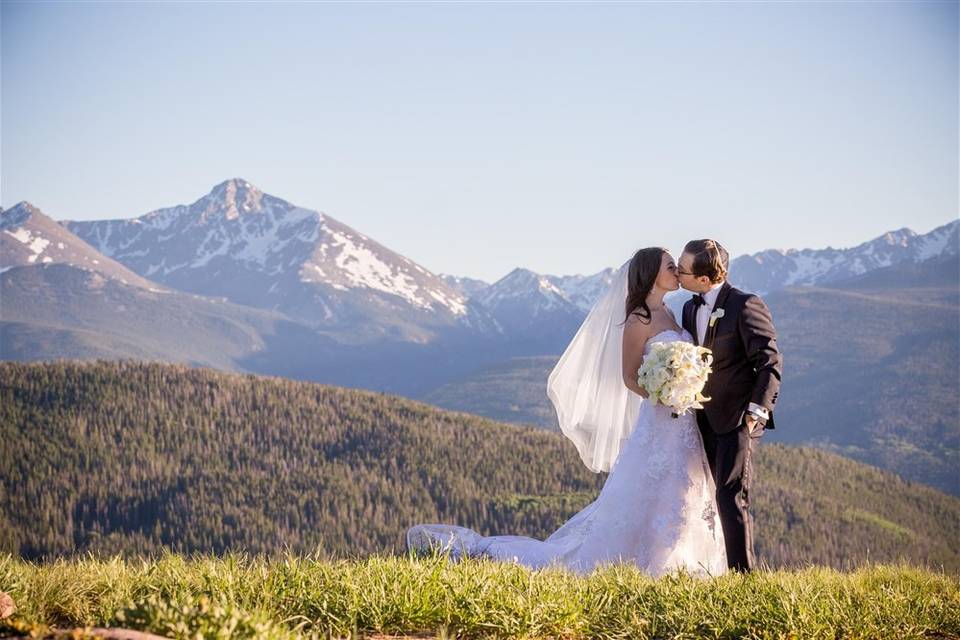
(520, 275)
(232, 198)
(521, 282)
(18, 214)
(899, 237)
(234, 184)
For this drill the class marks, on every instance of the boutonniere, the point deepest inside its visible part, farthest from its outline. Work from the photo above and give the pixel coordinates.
(716, 315)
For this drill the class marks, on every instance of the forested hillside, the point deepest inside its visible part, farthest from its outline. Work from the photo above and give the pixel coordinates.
(137, 457)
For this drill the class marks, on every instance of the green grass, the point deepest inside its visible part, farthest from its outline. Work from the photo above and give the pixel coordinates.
(239, 596)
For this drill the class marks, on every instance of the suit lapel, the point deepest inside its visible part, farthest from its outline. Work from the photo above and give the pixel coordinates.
(721, 300)
(690, 320)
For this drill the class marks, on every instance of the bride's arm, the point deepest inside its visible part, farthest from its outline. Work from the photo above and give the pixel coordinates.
(635, 336)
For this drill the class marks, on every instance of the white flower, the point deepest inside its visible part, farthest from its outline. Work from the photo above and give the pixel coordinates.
(674, 374)
(716, 315)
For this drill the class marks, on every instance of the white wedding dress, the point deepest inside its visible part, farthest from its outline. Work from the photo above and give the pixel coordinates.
(657, 509)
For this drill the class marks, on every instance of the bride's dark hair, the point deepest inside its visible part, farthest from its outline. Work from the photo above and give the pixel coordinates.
(641, 274)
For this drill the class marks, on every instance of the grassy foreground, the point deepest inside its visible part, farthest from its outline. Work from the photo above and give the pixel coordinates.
(238, 596)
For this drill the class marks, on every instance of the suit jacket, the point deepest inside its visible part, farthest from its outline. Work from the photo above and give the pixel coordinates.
(747, 365)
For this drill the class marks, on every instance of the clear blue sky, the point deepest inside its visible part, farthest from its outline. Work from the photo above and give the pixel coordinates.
(476, 137)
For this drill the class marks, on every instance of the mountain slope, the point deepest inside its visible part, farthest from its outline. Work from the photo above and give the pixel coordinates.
(61, 298)
(28, 237)
(125, 457)
(513, 390)
(54, 311)
(58, 311)
(532, 312)
(468, 287)
(872, 374)
(259, 250)
(583, 291)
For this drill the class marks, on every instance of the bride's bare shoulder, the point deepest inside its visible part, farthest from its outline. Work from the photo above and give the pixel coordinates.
(636, 324)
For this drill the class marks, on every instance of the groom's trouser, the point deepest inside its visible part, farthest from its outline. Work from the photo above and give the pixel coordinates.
(731, 462)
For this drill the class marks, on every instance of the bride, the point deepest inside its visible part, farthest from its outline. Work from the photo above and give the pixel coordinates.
(657, 509)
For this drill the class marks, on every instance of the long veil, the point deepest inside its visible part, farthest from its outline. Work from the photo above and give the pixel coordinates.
(594, 408)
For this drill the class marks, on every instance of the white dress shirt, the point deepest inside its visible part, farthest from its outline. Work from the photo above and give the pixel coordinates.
(703, 321)
(704, 311)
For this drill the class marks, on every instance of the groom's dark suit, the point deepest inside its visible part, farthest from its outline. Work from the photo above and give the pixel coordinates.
(746, 369)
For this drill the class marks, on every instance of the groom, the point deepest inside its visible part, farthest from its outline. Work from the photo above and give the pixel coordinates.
(742, 389)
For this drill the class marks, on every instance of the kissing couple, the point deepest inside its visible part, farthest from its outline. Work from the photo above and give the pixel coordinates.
(678, 491)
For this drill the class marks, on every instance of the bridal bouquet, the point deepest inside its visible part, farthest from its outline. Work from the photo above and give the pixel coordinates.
(674, 373)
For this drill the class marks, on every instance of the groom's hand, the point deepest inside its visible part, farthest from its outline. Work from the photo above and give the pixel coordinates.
(755, 417)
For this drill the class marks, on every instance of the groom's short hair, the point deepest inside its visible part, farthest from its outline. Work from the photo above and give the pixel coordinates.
(709, 259)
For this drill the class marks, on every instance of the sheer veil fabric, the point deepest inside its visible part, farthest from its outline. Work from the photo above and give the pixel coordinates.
(594, 408)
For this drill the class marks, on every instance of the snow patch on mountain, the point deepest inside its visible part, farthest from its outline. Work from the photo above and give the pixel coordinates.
(363, 268)
(940, 241)
(268, 236)
(35, 243)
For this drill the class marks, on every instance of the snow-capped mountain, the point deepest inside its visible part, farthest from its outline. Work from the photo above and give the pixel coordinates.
(28, 237)
(523, 284)
(254, 249)
(61, 298)
(774, 269)
(543, 309)
(583, 291)
(469, 287)
(259, 250)
(525, 294)
(541, 292)
(329, 303)
(530, 308)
